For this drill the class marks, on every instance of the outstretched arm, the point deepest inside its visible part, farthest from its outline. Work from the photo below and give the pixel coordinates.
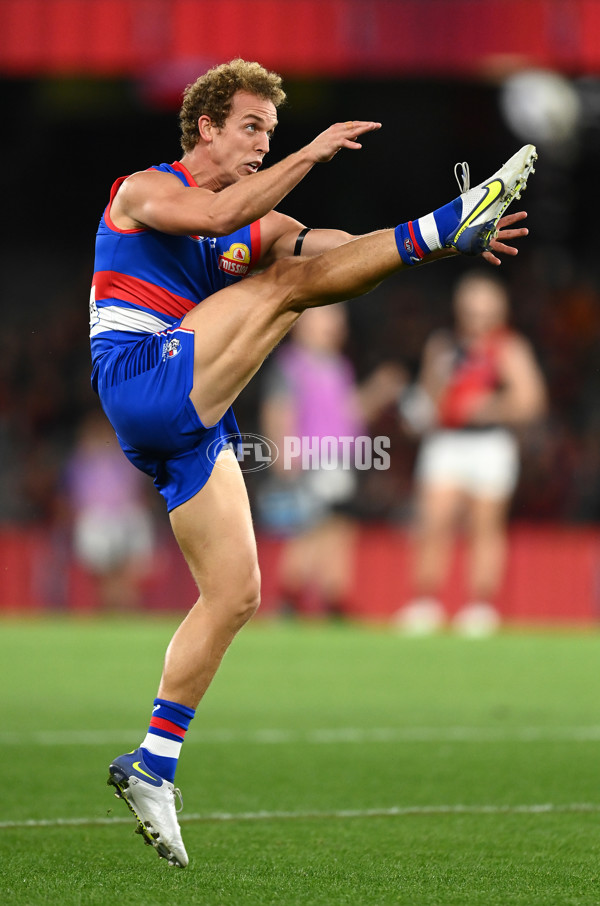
(160, 201)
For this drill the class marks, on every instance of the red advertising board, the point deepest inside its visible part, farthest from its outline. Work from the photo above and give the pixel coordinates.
(299, 37)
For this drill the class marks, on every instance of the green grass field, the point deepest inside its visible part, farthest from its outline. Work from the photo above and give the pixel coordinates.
(327, 765)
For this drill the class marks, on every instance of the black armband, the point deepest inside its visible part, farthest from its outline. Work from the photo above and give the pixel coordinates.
(300, 240)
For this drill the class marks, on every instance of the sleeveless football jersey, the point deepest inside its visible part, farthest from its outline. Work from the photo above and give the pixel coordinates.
(145, 280)
(473, 376)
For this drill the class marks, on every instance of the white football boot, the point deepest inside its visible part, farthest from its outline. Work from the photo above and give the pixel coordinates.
(484, 205)
(152, 801)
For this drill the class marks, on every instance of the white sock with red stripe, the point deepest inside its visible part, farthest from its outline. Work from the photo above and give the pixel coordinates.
(418, 238)
(163, 741)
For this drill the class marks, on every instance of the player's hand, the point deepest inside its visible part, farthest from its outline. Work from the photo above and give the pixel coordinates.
(340, 135)
(504, 234)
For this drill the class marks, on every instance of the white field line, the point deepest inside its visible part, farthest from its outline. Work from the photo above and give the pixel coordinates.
(314, 737)
(392, 812)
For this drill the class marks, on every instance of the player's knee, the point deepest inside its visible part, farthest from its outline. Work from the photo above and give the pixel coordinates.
(247, 601)
(252, 597)
(287, 280)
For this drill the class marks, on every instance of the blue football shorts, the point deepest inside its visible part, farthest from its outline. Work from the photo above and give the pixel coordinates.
(144, 387)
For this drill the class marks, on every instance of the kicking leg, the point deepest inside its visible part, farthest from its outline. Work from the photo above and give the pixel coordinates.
(236, 328)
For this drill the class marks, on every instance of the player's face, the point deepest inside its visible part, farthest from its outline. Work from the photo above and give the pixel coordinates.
(480, 308)
(239, 147)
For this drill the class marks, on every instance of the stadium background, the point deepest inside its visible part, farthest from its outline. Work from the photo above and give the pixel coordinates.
(90, 91)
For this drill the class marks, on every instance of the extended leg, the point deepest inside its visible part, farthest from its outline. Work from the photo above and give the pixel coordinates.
(237, 327)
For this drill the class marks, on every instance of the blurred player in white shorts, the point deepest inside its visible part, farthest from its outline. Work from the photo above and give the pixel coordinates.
(477, 384)
(484, 462)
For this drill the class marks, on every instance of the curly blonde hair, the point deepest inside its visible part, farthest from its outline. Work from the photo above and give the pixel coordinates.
(212, 93)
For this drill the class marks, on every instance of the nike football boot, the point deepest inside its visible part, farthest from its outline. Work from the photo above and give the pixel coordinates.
(484, 205)
(152, 801)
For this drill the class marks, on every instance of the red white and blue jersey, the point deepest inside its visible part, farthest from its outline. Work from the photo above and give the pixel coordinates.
(473, 374)
(145, 280)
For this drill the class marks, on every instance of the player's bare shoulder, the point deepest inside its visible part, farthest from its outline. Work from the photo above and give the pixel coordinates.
(137, 192)
(516, 349)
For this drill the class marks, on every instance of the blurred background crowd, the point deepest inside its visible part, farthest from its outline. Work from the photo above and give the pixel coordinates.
(71, 126)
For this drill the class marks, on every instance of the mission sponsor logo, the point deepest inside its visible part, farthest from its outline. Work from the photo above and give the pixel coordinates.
(236, 260)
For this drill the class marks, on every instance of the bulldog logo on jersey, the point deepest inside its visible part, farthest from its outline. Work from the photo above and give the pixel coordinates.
(236, 260)
(170, 349)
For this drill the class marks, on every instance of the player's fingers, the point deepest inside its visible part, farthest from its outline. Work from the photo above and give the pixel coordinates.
(349, 143)
(491, 258)
(503, 235)
(499, 248)
(359, 127)
(509, 219)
